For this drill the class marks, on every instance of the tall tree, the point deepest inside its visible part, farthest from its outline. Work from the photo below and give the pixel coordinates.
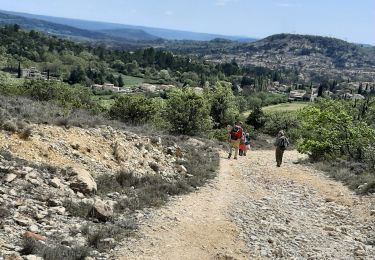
(320, 90)
(120, 81)
(19, 74)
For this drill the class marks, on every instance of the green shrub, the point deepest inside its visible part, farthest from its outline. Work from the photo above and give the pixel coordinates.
(134, 109)
(223, 107)
(187, 112)
(63, 94)
(328, 130)
(287, 121)
(256, 118)
(218, 134)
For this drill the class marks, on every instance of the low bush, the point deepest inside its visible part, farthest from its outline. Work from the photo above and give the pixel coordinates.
(356, 176)
(10, 126)
(79, 209)
(96, 234)
(26, 133)
(54, 252)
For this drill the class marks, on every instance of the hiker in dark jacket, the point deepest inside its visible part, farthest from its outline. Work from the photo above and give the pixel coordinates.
(281, 143)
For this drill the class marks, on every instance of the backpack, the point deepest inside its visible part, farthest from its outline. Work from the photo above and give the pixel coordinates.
(236, 133)
(283, 143)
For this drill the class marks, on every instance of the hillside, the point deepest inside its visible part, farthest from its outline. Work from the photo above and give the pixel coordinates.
(129, 34)
(48, 27)
(63, 30)
(312, 57)
(67, 192)
(115, 28)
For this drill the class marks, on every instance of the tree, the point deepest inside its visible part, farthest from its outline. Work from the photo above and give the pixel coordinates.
(328, 131)
(77, 75)
(134, 109)
(19, 72)
(256, 118)
(120, 81)
(187, 112)
(223, 105)
(16, 27)
(360, 89)
(320, 90)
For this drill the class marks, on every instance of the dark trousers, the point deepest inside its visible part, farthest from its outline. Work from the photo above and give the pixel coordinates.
(279, 155)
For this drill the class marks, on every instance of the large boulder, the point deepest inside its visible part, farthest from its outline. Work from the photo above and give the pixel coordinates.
(81, 180)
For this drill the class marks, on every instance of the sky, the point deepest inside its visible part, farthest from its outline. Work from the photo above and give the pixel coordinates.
(350, 20)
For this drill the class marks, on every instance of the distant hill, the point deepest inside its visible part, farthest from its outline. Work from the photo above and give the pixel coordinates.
(116, 30)
(313, 57)
(49, 27)
(323, 51)
(129, 34)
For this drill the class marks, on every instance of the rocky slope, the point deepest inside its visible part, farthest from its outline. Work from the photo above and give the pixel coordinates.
(57, 188)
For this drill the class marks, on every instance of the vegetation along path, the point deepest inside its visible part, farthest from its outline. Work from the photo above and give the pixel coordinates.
(254, 210)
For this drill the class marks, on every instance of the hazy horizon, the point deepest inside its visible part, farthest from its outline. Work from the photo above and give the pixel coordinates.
(350, 20)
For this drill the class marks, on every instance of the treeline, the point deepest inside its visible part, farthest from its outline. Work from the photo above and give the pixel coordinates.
(178, 111)
(87, 64)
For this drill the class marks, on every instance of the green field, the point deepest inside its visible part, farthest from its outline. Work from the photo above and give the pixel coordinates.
(105, 100)
(132, 81)
(294, 106)
(286, 107)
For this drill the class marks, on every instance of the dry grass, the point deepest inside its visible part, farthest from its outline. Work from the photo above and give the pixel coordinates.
(97, 234)
(202, 163)
(54, 252)
(357, 176)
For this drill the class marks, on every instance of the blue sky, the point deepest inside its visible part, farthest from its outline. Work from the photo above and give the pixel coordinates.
(351, 20)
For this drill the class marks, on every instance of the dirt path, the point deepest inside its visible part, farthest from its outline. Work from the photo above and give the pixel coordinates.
(195, 226)
(254, 210)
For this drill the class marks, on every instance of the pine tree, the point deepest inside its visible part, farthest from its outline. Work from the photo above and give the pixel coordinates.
(19, 70)
(320, 90)
(360, 89)
(120, 81)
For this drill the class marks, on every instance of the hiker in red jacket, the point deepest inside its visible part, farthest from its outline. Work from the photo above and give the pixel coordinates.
(235, 138)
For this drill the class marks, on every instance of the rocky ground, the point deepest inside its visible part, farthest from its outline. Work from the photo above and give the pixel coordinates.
(54, 202)
(298, 213)
(254, 210)
(51, 188)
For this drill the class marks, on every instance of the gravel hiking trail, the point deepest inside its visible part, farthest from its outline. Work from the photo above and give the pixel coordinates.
(254, 210)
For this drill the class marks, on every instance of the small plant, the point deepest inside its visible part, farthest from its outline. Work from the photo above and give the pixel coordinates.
(50, 252)
(10, 126)
(96, 234)
(4, 213)
(79, 209)
(21, 125)
(26, 133)
(126, 178)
